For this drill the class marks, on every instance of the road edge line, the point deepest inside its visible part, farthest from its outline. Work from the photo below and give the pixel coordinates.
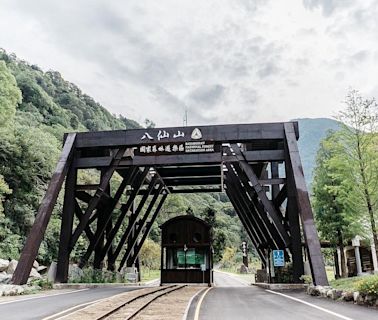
(198, 307)
(40, 297)
(310, 305)
(186, 312)
(83, 306)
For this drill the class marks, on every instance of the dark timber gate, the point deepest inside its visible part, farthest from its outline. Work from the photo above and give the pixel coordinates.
(244, 160)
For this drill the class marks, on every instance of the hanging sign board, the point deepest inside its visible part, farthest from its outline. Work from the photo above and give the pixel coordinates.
(278, 258)
(155, 146)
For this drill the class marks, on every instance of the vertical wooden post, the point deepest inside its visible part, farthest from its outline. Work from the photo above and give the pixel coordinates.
(275, 174)
(295, 231)
(111, 263)
(101, 226)
(66, 226)
(304, 207)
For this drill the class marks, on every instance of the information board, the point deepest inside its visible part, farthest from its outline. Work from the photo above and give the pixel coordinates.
(278, 258)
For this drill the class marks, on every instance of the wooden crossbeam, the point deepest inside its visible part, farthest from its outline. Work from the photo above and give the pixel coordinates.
(280, 197)
(246, 216)
(134, 217)
(274, 182)
(259, 210)
(250, 211)
(251, 233)
(79, 215)
(216, 133)
(139, 228)
(205, 171)
(97, 197)
(207, 181)
(129, 178)
(124, 209)
(181, 159)
(149, 224)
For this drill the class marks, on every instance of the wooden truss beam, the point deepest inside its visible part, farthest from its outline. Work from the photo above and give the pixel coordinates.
(181, 159)
(251, 233)
(128, 179)
(217, 133)
(248, 209)
(133, 218)
(272, 231)
(124, 209)
(270, 209)
(98, 195)
(149, 224)
(34, 239)
(304, 206)
(139, 228)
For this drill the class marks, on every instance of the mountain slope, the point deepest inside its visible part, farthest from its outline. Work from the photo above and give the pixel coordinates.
(311, 132)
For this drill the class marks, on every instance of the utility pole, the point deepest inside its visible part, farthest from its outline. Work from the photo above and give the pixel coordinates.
(185, 122)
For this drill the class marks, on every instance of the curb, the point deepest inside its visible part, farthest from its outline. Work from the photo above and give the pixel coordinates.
(281, 286)
(98, 285)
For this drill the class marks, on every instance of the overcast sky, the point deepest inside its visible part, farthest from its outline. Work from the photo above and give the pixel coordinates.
(224, 61)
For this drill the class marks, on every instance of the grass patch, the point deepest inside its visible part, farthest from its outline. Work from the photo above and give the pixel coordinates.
(149, 274)
(330, 273)
(349, 284)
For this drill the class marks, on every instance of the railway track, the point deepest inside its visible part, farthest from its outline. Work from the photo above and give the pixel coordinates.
(133, 307)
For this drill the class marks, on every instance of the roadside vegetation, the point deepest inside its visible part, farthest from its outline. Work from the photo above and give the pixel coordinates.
(345, 186)
(367, 285)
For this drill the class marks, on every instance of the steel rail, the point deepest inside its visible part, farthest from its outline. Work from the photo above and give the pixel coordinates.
(165, 291)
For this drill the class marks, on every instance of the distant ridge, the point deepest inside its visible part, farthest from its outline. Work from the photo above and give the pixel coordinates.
(311, 132)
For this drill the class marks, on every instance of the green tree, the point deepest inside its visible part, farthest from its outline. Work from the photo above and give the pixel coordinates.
(335, 219)
(150, 254)
(359, 137)
(10, 95)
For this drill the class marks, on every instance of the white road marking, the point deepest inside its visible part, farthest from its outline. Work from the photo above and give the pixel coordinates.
(40, 297)
(311, 305)
(185, 316)
(196, 314)
(80, 306)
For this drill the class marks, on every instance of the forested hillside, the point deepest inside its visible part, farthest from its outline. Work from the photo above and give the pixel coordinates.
(36, 108)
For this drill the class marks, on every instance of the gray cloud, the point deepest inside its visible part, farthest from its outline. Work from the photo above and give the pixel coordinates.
(223, 61)
(327, 6)
(208, 95)
(267, 70)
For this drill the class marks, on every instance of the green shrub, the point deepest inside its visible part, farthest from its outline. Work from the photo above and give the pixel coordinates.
(307, 279)
(368, 285)
(44, 284)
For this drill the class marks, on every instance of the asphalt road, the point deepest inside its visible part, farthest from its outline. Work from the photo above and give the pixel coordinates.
(41, 306)
(234, 300)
